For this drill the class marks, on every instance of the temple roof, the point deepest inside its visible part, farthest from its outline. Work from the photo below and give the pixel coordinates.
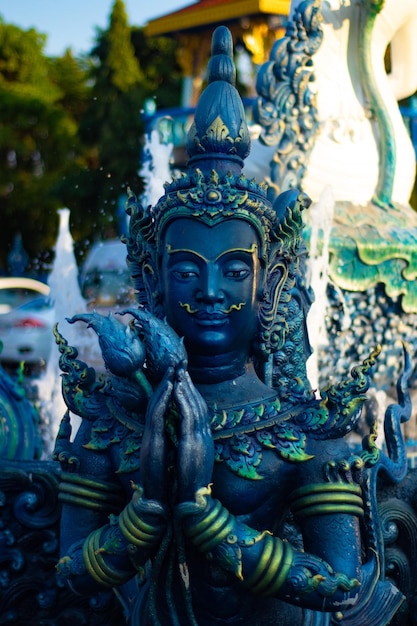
(212, 12)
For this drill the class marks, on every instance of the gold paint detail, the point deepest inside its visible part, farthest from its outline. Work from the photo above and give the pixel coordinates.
(187, 307)
(180, 21)
(251, 250)
(232, 307)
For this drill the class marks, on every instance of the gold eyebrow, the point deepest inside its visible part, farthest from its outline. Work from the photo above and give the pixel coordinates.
(176, 250)
(250, 250)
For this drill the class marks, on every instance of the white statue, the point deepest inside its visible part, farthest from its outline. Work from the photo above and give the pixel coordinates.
(346, 150)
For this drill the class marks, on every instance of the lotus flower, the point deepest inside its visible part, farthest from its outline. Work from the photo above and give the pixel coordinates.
(122, 350)
(163, 347)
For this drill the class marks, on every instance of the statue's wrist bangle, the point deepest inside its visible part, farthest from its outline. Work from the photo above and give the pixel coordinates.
(99, 565)
(142, 522)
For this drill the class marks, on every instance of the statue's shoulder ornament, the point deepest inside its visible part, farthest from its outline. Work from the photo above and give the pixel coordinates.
(339, 407)
(242, 434)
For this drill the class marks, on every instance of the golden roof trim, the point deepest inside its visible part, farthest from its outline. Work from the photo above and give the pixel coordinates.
(181, 21)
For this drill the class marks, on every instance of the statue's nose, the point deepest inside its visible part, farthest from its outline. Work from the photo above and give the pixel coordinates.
(210, 290)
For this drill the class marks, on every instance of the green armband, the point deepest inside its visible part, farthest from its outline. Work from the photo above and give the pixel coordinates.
(128, 538)
(138, 532)
(271, 570)
(236, 547)
(267, 565)
(325, 499)
(90, 493)
(212, 528)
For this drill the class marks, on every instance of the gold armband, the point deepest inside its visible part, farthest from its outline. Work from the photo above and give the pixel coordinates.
(325, 499)
(273, 566)
(212, 528)
(89, 493)
(132, 524)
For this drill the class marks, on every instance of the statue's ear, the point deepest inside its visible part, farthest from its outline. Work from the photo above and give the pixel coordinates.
(275, 279)
(272, 322)
(278, 277)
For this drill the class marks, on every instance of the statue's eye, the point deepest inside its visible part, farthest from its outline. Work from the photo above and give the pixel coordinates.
(236, 270)
(186, 275)
(185, 271)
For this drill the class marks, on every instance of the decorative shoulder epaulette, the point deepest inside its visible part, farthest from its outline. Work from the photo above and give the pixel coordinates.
(339, 408)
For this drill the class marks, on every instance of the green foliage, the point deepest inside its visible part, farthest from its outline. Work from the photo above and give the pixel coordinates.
(22, 64)
(71, 131)
(157, 57)
(122, 66)
(69, 75)
(111, 131)
(37, 142)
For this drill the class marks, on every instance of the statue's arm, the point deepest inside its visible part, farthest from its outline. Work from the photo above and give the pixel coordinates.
(108, 555)
(111, 540)
(328, 507)
(263, 563)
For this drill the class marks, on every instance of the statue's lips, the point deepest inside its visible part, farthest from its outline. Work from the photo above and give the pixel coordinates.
(204, 318)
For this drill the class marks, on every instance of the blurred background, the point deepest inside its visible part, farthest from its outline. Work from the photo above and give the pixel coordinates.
(71, 129)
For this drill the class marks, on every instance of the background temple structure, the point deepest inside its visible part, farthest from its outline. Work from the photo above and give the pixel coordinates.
(253, 23)
(330, 124)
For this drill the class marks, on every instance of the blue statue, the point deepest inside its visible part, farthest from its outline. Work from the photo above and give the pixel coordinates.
(207, 484)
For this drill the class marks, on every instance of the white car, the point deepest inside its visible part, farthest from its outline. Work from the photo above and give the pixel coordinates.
(26, 320)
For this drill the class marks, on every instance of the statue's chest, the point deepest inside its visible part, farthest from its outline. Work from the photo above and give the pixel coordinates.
(248, 441)
(263, 497)
(242, 437)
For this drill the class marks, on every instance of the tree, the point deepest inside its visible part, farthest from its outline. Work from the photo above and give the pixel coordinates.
(69, 75)
(37, 141)
(158, 59)
(111, 128)
(71, 131)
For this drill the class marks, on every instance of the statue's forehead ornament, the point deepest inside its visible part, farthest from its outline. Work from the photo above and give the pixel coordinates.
(211, 200)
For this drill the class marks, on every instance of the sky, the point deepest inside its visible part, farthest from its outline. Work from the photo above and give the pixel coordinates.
(72, 23)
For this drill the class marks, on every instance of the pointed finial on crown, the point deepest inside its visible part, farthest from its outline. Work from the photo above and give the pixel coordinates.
(219, 137)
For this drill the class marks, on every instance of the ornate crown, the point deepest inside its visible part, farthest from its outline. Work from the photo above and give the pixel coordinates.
(214, 189)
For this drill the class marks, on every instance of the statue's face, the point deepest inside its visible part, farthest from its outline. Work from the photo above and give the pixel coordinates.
(211, 278)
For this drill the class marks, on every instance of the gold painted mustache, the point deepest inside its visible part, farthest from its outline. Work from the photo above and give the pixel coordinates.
(232, 307)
